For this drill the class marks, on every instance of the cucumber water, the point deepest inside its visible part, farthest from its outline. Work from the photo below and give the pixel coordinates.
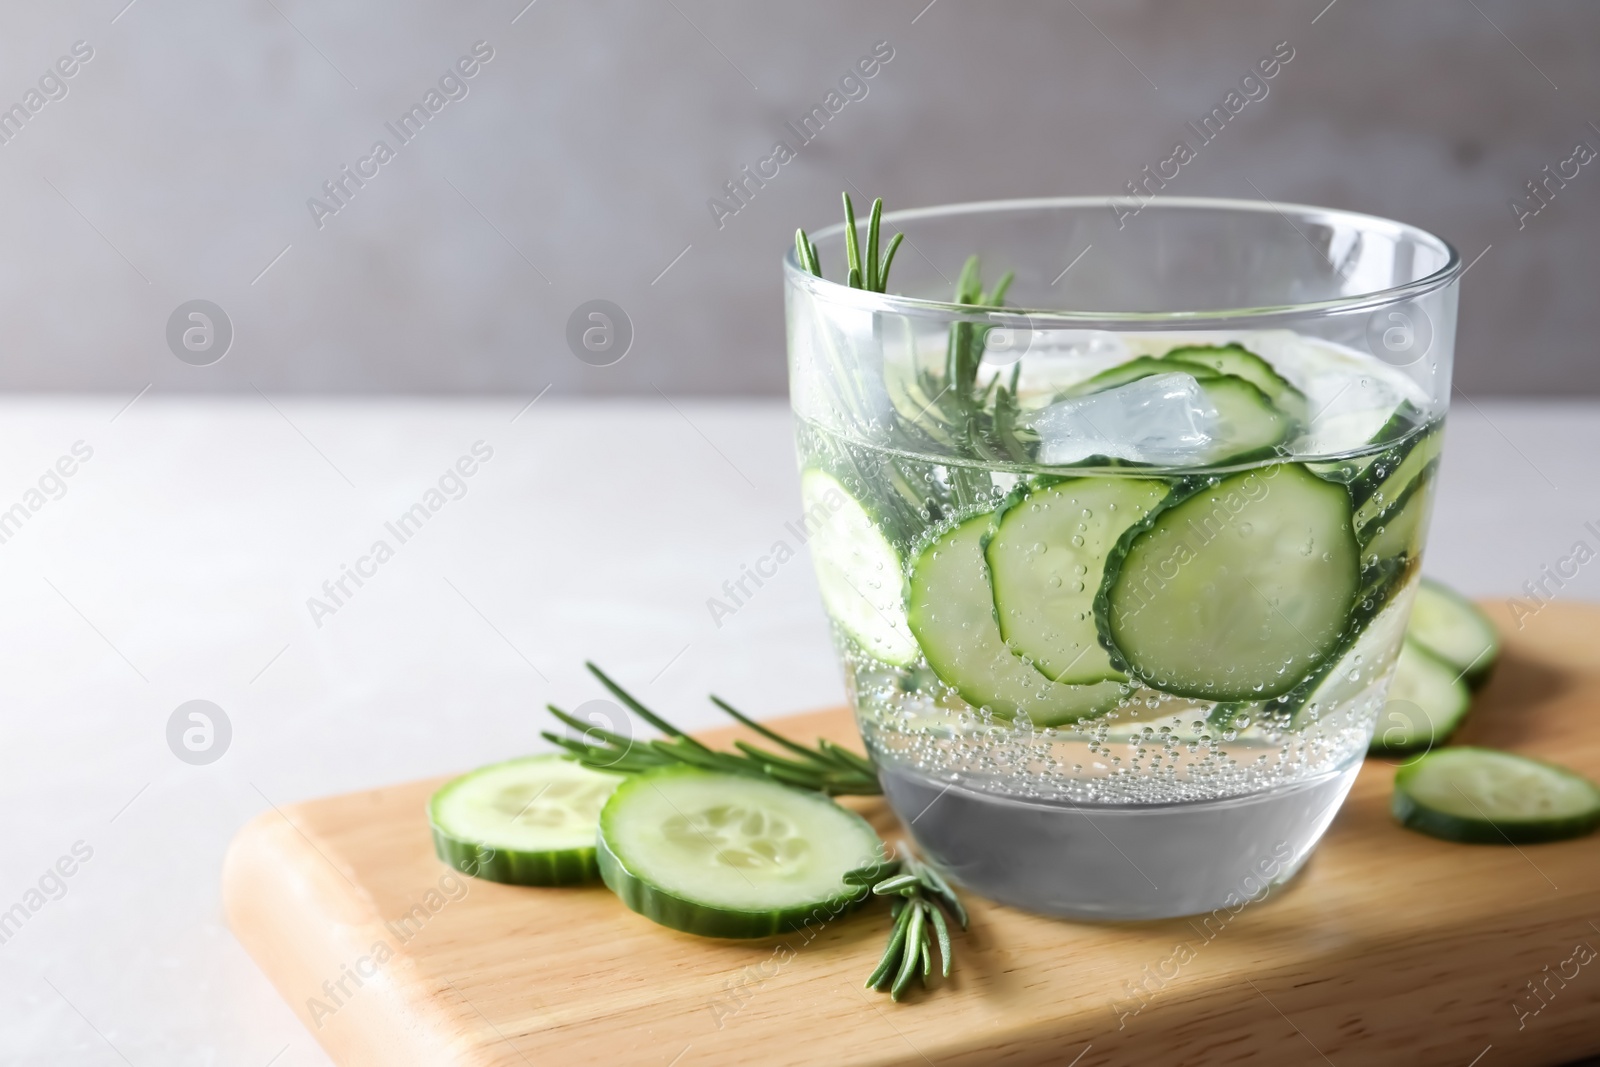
(1107, 633)
(1114, 607)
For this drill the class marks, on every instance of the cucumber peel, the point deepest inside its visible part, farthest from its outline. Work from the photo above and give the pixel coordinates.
(1240, 362)
(1426, 702)
(726, 855)
(1135, 369)
(952, 614)
(1456, 630)
(1047, 559)
(1396, 532)
(525, 821)
(1483, 796)
(858, 571)
(1235, 588)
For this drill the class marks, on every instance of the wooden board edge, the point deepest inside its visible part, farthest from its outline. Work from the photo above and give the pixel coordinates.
(417, 1029)
(275, 879)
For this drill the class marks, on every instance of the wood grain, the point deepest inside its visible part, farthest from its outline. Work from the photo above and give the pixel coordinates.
(1389, 948)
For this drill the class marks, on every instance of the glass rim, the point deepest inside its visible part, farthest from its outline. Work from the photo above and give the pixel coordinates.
(841, 293)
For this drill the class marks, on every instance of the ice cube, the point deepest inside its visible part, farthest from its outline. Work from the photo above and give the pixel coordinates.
(1350, 396)
(1165, 420)
(1345, 415)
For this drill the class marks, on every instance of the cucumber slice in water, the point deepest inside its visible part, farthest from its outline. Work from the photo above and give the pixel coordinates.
(1481, 796)
(1249, 426)
(1047, 559)
(1454, 629)
(1235, 591)
(1133, 370)
(1252, 426)
(1405, 418)
(726, 855)
(1379, 486)
(858, 571)
(524, 822)
(1427, 701)
(1396, 532)
(1240, 362)
(1368, 648)
(952, 614)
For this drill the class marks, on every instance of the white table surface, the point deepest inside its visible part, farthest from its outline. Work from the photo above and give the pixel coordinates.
(177, 565)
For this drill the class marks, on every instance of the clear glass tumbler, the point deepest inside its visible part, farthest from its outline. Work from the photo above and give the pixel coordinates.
(1117, 518)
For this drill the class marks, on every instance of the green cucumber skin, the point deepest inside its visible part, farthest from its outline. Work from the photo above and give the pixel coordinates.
(704, 920)
(673, 912)
(1369, 531)
(1379, 584)
(1415, 816)
(1378, 747)
(1022, 494)
(566, 867)
(1137, 368)
(1183, 491)
(537, 867)
(971, 678)
(1381, 578)
(1476, 674)
(1257, 397)
(1279, 390)
(1366, 484)
(1405, 418)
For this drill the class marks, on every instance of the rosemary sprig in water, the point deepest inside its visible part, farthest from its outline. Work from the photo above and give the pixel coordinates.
(944, 407)
(826, 767)
(867, 272)
(921, 899)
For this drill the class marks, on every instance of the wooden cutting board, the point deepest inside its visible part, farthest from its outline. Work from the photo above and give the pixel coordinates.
(1388, 948)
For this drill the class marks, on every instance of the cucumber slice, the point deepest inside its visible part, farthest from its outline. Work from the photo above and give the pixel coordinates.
(1453, 628)
(1481, 796)
(526, 821)
(1133, 370)
(1427, 701)
(1249, 426)
(1397, 532)
(952, 614)
(1252, 427)
(1240, 362)
(1047, 559)
(726, 855)
(1236, 590)
(1342, 432)
(1406, 418)
(858, 571)
(1369, 647)
(1379, 486)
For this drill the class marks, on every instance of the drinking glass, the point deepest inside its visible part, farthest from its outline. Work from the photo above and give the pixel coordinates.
(1117, 517)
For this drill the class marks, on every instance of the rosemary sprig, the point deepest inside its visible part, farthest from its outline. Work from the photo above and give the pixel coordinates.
(826, 767)
(863, 269)
(939, 410)
(967, 338)
(922, 897)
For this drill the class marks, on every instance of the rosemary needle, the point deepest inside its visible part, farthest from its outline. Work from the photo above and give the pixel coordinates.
(825, 767)
(864, 268)
(921, 899)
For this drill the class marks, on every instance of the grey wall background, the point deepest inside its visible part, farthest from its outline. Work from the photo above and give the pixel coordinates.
(579, 164)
